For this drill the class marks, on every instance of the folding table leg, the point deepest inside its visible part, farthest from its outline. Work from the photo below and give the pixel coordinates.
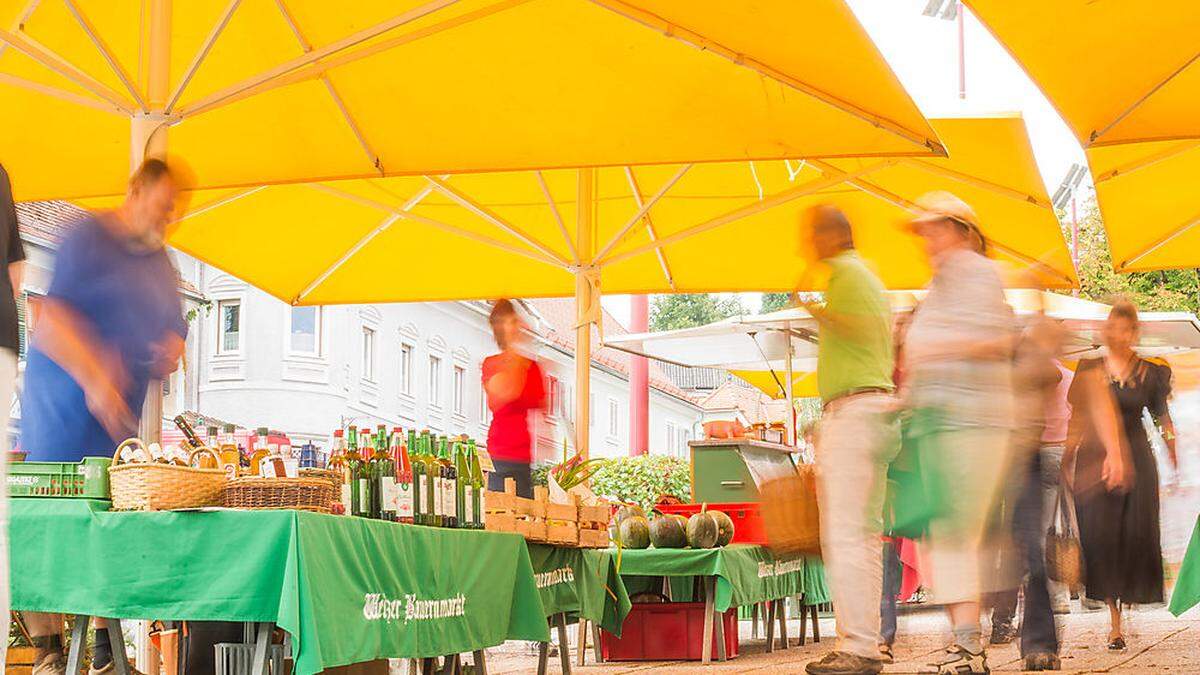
(816, 626)
(719, 635)
(78, 640)
(116, 640)
(262, 644)
(770, 623)
(428, 666)
(754, 621)
(564, 650)
(803, 620)
(480, 662)
(596, 643)
(581, 645)
(782, 614)
(709, 602)
(543, 657)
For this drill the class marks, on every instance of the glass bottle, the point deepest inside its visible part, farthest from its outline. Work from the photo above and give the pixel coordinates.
(462, 473)
(417, 463)
(261, 451)
(338, 463)
(449, 480)
(354, 465)
(228, 451)
(433, 482)
(403, 499)
(476, 493)
(383, 502)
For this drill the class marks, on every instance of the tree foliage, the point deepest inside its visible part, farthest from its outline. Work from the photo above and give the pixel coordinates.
(772, 302)
(668, 312)
(1166, 290)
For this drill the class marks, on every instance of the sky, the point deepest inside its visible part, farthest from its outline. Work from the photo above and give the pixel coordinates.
(923, 53)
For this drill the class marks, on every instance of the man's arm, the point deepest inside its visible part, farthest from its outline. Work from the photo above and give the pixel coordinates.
(16, 276)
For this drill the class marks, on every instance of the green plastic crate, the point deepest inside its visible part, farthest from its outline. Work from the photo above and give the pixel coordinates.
(80, 480)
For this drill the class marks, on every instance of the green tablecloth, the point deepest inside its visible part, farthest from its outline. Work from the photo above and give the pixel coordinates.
(581, 582)
(346, 589)
(1187, 586)
(745, 574)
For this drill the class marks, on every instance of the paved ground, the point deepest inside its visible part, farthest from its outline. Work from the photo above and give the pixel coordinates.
(1158, 643)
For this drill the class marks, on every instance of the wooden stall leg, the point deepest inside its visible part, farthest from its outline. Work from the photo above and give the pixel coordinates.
(543, 657)
(803, 620)
(480, 662)
(116, 641)
(770, 624)
(581, 646)
(719, 635)
(78, 641)
(564, 650)
(596, 643)
(262, 646)
(816, 626)
(781, 612)
(754, 622)
(707, 642)
(429, 666)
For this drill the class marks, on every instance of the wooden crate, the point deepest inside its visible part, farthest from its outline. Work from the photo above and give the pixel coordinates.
(593, 525)
(593, 538)
(508, 512)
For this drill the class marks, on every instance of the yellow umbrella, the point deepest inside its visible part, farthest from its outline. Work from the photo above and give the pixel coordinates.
(258, 92)
(1126, 78)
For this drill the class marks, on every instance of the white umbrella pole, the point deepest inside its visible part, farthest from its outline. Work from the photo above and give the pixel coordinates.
(787, 387)
(583, 315)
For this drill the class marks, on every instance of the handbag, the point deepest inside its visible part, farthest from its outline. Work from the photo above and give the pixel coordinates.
(790, 515)
(1064, 554)
(916, 493)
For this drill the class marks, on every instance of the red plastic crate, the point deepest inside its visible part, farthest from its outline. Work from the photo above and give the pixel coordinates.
(666, 631)
(747, 523)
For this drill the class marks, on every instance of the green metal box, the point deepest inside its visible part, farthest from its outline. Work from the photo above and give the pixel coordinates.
(733, 470)
(80, 480)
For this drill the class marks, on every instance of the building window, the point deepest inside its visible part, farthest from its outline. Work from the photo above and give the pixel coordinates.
(229, 313)
(304, 335)
(685, 435)
(406, 363)
(28, 308)
(435, 381)
(552, 395)
(614, 421)
(669, 447)
(460, 384)
(368, 354)
(485, 413)
(166, 386)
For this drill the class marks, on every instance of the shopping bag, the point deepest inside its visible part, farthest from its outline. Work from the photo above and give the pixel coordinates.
(1064, 554)
(917, 491)
(791, 518)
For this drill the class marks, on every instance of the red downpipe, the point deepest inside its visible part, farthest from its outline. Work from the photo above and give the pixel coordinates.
(639, 381)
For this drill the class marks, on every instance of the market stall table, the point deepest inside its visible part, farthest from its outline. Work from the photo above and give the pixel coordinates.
(735, 575)
(1187, 585)
(346, 589)
(578, 583)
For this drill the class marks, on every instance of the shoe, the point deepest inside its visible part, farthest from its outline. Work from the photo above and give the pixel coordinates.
(1003, 633)
(958, 661)
(109, 669)
(1061, 608)
(886, 655)
(1117, 644)
(844, 663)
(50, 663)
(1042, 661)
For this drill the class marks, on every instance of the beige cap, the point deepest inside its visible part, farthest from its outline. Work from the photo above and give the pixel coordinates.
(940, 205)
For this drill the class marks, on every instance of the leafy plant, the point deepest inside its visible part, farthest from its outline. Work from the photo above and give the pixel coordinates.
(643, 479)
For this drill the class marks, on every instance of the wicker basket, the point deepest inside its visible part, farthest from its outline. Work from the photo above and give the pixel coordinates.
(150, 486)
(334, 477)
(304, 494)
(790, 515)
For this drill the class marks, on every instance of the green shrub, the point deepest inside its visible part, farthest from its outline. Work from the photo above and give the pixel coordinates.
(643, 479)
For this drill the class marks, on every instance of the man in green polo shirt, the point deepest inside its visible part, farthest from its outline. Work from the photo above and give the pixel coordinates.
(856, 439)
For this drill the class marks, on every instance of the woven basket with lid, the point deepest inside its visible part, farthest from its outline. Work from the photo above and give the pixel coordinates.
(151, 486)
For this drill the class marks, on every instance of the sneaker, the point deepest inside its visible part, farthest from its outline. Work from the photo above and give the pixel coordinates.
(1042, 661)
(957, 660)
(1003, 633)
(50, 663)
(886, 655)
(844, 663)
(110, 668)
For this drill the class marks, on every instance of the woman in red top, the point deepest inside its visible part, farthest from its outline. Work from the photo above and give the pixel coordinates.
(514, 387)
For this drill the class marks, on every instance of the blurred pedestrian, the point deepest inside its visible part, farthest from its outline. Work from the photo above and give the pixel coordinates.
(856, 441)
(12, 252)
(110, 323)
(1116, 481)
(893, 571)
(514, 386)
(958, 363)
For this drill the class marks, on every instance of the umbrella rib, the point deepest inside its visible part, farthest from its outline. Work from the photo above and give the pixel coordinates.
(1147, 161)
(431, 222)
(220, 202)
(35, 50)
(252, 84)
(662, 257)
(372, 156)
(643, 209)
(562, 226)
(202, 54)
(864, 185)
(1159, 243)
(22, 17)
(483, 212)
(658, 23)
(1138, 103)
(106, 52)
(353, 250)
(1029, 260)
(771, 202)
(70, 97)
(1001, 190)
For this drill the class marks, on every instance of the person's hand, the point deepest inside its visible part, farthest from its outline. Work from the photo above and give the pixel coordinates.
(108, 406)
(166, 354)
(1115, 475)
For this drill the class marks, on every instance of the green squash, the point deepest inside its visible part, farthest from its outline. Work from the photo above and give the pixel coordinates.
(668, 532)
(626, 511)
(724, 527)
(634, 532)
(702, 530)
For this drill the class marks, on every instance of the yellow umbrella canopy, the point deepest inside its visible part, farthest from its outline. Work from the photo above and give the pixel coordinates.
(675, 228)
(1118, 72)
(1126, 78)
(256, 92)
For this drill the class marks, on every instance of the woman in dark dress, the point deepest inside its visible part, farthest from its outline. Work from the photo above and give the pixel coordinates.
(1115, 478)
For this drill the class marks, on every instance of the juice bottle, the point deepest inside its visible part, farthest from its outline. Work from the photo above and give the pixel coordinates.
(449, 481)
(417, 464)
(261, 451)
(228, 451)
(403, 500)
(337, 462)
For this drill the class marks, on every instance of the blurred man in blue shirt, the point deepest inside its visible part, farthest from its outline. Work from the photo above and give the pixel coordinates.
(110, 323)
